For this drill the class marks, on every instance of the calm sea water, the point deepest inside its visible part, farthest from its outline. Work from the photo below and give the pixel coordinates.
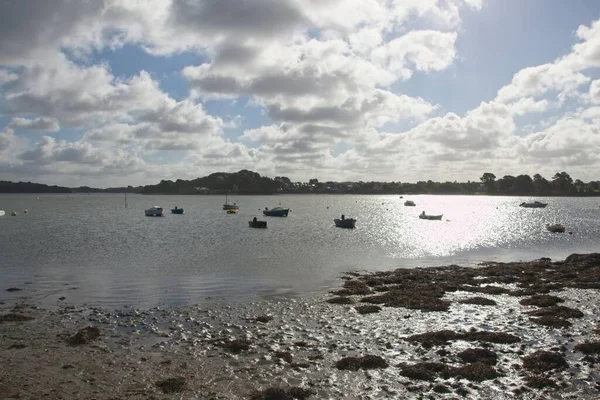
(114, 255)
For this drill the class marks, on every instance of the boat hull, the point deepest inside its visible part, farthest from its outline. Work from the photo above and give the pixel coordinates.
(556, 228)
(2, 212)
(154, 212)
(345, 223)
(231, 207)
(177, 211)
(257, 224)
(533, 205)
(431, 217)
(276, 213)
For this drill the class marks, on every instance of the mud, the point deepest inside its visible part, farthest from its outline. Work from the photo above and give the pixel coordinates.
(425, 341)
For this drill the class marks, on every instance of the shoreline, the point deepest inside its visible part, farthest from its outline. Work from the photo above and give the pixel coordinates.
(498, 330)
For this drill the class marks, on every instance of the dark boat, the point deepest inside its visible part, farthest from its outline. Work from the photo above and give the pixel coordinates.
(344, 222)
(276, 212)
(535, 204)
(430, 217)
(556, 228)
(177, 210)
(257, 224)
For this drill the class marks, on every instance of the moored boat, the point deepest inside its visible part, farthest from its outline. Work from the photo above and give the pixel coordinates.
(409, 203)
(344, 222)
(2, 212)
(14, 213)
(257, 224)
(177, 210)
(535, 204)
(276, 212)
(428, 216)
(555, 228)
(155, 211)
(230, 206)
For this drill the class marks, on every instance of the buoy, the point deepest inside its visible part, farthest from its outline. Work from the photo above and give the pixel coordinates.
(25, 211)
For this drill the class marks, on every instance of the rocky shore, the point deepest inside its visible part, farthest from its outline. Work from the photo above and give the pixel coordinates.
(527, 330)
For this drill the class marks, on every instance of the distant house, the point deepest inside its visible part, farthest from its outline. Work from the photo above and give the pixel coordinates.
(202, 190)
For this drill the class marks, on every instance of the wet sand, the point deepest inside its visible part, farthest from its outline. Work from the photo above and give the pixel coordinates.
(526, 330)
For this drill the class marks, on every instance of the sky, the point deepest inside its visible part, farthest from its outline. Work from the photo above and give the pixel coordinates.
(130, 92)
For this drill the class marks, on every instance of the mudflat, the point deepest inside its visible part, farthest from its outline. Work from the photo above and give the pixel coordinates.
(498, 330)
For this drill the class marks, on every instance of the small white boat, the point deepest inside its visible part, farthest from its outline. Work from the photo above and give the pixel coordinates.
(154, 211)
(409, 203)
(556, 228)
(2, 212)
(434, 217)
(230, 206)
(535, 204)
(345, 222)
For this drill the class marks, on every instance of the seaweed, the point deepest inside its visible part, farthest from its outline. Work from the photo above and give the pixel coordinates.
(588, 348)
(365, 362)
(482, 301)
(542, 361)
(541, 300)
(367, 309)
(484, 356)
(172, 385)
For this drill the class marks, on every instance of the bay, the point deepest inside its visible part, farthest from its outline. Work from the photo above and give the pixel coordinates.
(92, 249)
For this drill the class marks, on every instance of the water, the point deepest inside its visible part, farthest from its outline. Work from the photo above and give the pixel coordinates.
(114, 255)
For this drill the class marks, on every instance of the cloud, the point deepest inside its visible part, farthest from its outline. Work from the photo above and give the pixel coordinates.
(90, 97)
(421, 50)
(595, 91)
(37, 124)
(79, 157)
(564, 76)
(323, 75)
(6, 76)
(28, 35)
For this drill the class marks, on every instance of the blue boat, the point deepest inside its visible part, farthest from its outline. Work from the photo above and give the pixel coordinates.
(177, 210)
(276, 212)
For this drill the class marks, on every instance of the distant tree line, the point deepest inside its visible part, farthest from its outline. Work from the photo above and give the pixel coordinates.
(242, 182)
(29, 187)
(561, 184)
(249, 182)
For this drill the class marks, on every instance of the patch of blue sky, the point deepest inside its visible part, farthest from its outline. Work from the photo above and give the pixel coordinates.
(495, 43)
(129, 60)
(340, 148)
(252, 116)
(4, 120)
(398, 126)
(67, 134)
